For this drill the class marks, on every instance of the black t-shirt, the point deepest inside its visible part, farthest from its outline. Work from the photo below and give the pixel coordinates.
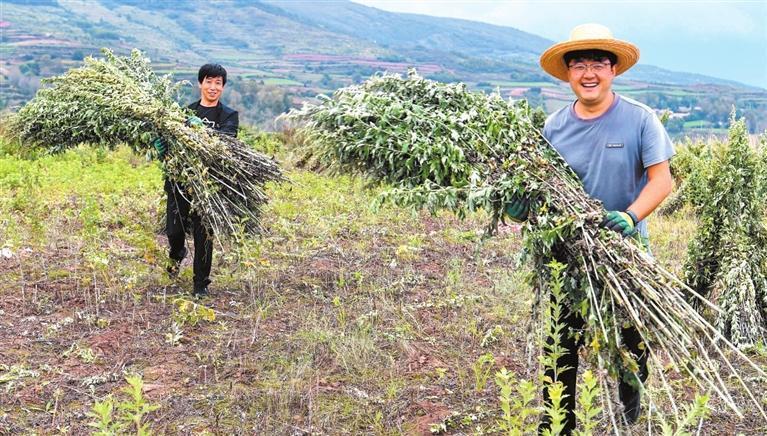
(209, 116)
(221, 118)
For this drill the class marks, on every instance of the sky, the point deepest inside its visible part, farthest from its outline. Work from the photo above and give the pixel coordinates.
(725, 39)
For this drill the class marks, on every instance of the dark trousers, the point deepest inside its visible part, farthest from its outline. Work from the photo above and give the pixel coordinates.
(180, 220)
(627, 391)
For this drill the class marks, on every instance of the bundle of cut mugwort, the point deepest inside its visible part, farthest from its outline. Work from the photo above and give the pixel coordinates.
(440, 146)
(114, 100)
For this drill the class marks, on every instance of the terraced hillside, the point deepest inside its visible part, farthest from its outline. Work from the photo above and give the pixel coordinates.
(280, 53)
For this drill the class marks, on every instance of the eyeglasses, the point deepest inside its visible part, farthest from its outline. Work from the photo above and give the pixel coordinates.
(598, 68)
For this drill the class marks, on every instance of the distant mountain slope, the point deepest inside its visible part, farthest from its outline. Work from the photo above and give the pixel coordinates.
(251, 31)
(410, 31)
(653, 74)
(280, 52)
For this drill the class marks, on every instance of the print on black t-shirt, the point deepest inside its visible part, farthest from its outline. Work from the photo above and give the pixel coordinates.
(209, 116)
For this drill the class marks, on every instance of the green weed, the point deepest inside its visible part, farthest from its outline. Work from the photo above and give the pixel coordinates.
(187, 312)
(491, 336)
(85, 354)
(588, 412)
(518, 411)
(482, 368)
(123, 417)
(691, 420)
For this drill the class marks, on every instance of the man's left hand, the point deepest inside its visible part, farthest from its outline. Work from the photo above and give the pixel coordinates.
(518, 208)
(161, 146)
(621, 222)
(194, 121)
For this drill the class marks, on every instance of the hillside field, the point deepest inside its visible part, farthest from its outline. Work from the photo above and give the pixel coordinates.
(342, 319)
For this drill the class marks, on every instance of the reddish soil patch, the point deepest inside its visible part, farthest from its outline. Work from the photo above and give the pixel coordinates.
(431, 412)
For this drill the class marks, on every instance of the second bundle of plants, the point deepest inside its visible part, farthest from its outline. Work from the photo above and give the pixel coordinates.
(441, 146)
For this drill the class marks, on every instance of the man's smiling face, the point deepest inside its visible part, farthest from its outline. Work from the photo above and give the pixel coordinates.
(211, 89)
(591, 80)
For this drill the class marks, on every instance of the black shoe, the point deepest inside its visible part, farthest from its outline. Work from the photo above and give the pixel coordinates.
(632, 415)
(632, 407)
(200, 292)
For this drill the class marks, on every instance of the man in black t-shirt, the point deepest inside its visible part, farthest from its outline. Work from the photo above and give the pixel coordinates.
(179, 218)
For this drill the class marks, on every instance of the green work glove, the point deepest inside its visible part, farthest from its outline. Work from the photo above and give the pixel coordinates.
(194, 121)
(161, 146)
(620, 222)
(518, 208)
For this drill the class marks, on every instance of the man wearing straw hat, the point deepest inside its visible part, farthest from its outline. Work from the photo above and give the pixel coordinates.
(621, 151)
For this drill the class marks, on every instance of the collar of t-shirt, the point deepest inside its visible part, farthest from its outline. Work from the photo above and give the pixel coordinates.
(614, 103)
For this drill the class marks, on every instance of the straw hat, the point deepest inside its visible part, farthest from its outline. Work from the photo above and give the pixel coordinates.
(585, 37)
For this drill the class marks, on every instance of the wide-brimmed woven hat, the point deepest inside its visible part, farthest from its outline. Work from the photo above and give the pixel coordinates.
(586, 37)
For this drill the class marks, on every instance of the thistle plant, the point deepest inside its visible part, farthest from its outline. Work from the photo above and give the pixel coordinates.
(440, 146)
(113, 100)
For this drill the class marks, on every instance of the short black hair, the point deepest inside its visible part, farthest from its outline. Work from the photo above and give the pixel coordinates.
(590, 55)
(211, 70)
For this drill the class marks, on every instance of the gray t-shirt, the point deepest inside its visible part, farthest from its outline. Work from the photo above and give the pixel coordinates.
(611, 153)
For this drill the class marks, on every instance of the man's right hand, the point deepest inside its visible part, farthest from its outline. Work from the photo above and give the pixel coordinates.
(623, 223)
(161, 146)
(518, 208)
